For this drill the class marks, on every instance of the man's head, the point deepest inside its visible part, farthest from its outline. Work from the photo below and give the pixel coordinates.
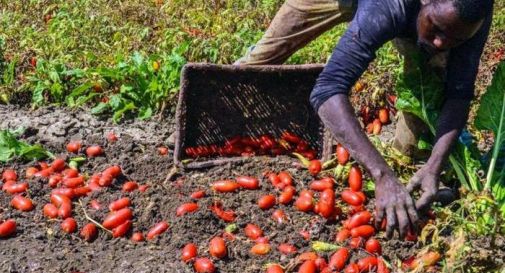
(444, 24)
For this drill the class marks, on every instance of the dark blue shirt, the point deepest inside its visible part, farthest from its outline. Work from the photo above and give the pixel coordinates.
(379, 21)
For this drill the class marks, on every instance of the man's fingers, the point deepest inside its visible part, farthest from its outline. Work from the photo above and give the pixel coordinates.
(391, 219)
(414, 184)
(413, 216)
(379, 217)
(403, 220)
(425, 200)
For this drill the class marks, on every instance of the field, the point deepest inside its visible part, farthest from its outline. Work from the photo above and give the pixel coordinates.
(81, 70)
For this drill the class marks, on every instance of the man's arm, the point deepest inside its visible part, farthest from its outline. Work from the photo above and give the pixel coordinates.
(462, 71)
(392, 199)
(450, 124)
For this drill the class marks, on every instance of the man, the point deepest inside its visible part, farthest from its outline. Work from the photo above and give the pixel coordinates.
(458, 28)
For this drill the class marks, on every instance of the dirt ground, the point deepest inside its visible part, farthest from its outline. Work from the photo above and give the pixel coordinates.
(40, 245)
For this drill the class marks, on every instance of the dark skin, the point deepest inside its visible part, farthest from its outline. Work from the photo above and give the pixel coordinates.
(439, 29)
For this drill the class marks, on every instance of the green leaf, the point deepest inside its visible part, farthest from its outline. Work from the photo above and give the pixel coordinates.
(118, 114)
(100, 108)
(11, 147)
(145, 113)
(491, 116)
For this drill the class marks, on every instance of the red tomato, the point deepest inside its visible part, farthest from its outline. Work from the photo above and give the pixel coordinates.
(119, 204)
(44, 173)
(82, 191)
(22, 203)
(95, 204)
(286, 195)
(307, 256)
(137, 237)
(163, 150)
(342, 154)
(69, 225)
(355, 178)
(339, 259)
(384, 116)
(352, 268)
(322, 265)
(94, 151)
(260, 249)
(64, 191)
(287, 248)
(308, 266)
(157, 230)
(54, 180)
(105, 180)
(63, 203)
(122, 229)
(189, 252)
(186, 208)
(247, 182)
(304, 203)
(111, 137)
(88, 232)
(262, 240)
(276, 181)
(285, 178)
(321, 185)
(352, 198)
(373, 246)
(74, 147)
(73, 182)
(315, 167)
(114, 219)
(364, 231)
(227, 216)
(327, 203)
(50, 211)
(376, 127)
(290, 137)
(252, 231)
(7, 228)
(31, 171)
(198, 194)
(58, 165)
(113, 171)
(225, 186)
(130, 186)
(266, 201)
(70, 173)
(367, 264)
(13, 188)
(204, 265)
(343, 235)
(359, 219)
(217, 247)
(279, 216)
(9, 175)
(356, 242)
(274, 268)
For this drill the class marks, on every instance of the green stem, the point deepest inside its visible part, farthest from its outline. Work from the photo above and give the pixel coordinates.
(497, 147)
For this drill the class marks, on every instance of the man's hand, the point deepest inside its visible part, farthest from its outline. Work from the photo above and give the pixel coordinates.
(427, 180)
(394, 202)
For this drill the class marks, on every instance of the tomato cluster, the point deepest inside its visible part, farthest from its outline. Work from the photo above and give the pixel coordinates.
(251, 146)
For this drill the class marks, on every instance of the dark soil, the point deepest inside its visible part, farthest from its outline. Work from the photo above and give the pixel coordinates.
(40, 245)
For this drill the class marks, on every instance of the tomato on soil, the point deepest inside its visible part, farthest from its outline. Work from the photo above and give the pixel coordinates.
(74, 147)
(9, 175)
(22, 203)
(247, 182)
(352, 198)
(50, 211)
(217, 248)
(119, 204)
(364, 231)
(204, 265)
(130, 186)
(285, 248)
(122, 229)
(138, 237)
(186, 208)
(274, 268)
(260, 249)
(266, 201)
(158, 229)
(7, 228)
(308, 267)
(163, 150)
(352, 268)
(89, 232)
(279, 216)
(342, 154)
(343, 235)
(286, 195)
(373, 246)
(315, 167)
(225, 186)
(359, 219)
(367, 264)
(339, 259)
(198, 194)
(355, 179)
(116, 218)
(94, 151)
(252, 231)
(189, 252)
(69, 225)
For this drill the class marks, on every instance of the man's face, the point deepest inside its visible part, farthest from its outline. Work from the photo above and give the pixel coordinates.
(439, 27)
